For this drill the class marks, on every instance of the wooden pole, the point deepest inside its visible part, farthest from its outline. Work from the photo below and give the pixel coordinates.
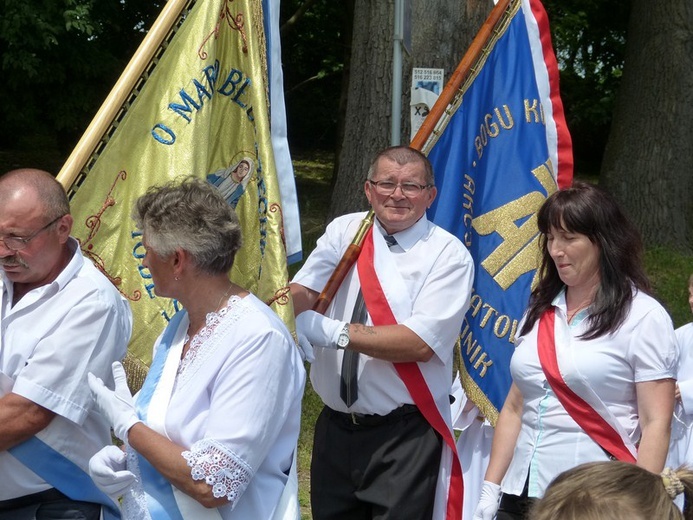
(459, 75)
(348, 259)
(446, 96)
(120, 92)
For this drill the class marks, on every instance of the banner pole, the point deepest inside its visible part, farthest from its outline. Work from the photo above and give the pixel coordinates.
(459, 75)
(446, 96)
(120, 92)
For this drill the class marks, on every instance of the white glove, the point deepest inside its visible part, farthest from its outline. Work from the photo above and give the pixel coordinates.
(107, 469)
(305, 348)
(117, 406)
(319, 330)
(488, 502)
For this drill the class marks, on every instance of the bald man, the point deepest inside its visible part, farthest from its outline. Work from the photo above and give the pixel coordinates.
(60, 319)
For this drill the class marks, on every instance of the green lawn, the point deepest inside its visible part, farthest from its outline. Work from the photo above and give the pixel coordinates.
(313, 172)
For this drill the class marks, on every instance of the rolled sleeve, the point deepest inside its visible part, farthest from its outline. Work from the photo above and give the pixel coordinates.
(443, 300)
(87, 338)
(654, 351)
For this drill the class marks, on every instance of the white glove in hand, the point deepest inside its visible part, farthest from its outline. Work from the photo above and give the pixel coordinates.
(117, 406)
(318, 329)
(305, 348)
(488, 503)
(107, 470)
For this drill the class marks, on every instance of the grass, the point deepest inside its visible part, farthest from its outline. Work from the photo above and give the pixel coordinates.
(313, 172)
(669, 271)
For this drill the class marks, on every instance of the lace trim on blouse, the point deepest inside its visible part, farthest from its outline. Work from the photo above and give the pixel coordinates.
(200, 346)
(134, 503)
(219, 467)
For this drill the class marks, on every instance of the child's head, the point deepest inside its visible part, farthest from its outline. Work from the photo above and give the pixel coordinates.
(690, 292)
(614, 491)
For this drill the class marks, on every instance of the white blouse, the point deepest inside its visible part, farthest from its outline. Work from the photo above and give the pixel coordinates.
(643, 349)
(236, 406)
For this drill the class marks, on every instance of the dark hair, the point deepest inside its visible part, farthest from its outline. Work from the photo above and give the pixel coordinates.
(193, 216)
(585, 209)
(614, 490)
(403, 155)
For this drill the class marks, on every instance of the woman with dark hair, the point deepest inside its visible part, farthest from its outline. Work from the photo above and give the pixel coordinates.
(212, 433)
(594, 362)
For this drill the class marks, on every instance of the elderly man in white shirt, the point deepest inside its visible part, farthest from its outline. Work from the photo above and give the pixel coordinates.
(61, 319)
(375, 450)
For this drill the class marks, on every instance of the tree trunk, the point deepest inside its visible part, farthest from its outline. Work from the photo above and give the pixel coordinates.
(347, 36)
(648, 161)
(441, 32)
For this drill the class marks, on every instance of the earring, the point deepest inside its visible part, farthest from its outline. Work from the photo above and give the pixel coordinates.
(176, 278)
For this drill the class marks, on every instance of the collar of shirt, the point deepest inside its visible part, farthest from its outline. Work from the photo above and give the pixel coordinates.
(409, 237)
(67, 274)
(73, 267)
(560, 303)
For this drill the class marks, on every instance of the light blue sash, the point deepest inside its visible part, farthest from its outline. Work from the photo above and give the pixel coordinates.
(63, 474)
(160, 499)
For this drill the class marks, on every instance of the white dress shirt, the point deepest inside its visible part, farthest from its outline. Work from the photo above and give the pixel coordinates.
(50, 340)
(437, 271)
(681, 448)
(643, 349)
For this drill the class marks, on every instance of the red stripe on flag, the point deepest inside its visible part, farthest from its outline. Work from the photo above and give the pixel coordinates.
(565, 143)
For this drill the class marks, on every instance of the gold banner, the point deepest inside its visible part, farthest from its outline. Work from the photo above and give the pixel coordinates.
(201, 110)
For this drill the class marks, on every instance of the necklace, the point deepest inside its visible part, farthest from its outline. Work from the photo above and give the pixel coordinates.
(197, 329)
(223, 297)
(571, 314)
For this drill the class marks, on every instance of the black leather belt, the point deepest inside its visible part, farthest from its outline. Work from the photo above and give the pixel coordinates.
(48, 495)
(359, 419)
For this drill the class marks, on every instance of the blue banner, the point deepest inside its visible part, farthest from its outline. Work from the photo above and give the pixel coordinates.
(495, 162)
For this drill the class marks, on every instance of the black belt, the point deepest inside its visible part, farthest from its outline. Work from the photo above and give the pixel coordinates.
(48, 495)
(351, 419)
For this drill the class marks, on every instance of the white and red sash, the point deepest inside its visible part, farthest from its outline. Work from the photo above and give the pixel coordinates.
(381, 313)
(597, 427)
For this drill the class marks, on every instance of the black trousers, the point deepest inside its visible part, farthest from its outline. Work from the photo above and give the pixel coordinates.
(48, 505)
(513, 507)
(385, 468)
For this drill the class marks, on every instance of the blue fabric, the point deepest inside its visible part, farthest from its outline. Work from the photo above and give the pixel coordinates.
(157, 366)
(63, 474)
(161, 502)
(493, 172)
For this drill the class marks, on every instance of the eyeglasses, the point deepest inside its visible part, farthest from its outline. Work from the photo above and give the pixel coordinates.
(19, 243)
(409, 189)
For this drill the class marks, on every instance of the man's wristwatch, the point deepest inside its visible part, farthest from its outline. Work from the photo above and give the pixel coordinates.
(343, 339)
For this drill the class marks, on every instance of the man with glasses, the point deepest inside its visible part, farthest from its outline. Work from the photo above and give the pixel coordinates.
(60, 319)
(395, 318)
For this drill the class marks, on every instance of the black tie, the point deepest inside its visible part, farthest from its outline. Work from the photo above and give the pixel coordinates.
(348, 386)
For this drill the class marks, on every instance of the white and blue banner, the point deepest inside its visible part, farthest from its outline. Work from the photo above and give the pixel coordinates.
(502, 150)
(279, 131)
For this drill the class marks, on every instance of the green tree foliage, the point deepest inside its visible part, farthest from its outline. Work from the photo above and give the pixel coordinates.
(60, 58)
(316, 39)
(589, 37)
